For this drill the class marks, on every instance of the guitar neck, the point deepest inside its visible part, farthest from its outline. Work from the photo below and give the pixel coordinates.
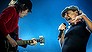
(23, 42)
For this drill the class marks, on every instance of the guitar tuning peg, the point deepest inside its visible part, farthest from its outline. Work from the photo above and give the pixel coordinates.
(41, 44)
(40, 36)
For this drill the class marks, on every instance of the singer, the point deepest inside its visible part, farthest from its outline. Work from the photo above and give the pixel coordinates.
(76, 36)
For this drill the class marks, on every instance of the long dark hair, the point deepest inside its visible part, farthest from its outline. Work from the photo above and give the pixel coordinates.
(22, 5)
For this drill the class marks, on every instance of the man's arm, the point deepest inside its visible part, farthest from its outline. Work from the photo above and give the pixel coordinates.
(61, 37)
(11, 41)
(16, 36)
(61, 28)
(5, 16)
(84, 18)
(88, 21)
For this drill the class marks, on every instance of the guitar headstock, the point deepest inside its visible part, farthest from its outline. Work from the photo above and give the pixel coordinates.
(41, 40)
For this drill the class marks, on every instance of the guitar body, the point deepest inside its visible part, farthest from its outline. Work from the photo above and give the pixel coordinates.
(12, 49)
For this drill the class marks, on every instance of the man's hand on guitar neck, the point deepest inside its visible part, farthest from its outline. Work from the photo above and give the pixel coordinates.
(34, 41)
(11, 41)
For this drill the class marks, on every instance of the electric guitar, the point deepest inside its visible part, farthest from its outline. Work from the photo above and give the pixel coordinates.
(23, 42)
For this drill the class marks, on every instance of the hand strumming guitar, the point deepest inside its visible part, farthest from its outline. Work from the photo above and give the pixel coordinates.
(11, 41)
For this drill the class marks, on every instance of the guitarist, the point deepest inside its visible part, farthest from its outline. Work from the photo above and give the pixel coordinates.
(9, 22)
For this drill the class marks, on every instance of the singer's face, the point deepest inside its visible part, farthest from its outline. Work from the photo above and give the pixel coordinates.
(71, 15)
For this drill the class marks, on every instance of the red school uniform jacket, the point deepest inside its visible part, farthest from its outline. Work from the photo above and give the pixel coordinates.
(8, 20)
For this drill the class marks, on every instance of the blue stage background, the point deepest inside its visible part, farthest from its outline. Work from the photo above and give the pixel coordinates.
(44, 20)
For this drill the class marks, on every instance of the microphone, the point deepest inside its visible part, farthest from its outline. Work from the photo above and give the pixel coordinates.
(62, 26)
(65, 25)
